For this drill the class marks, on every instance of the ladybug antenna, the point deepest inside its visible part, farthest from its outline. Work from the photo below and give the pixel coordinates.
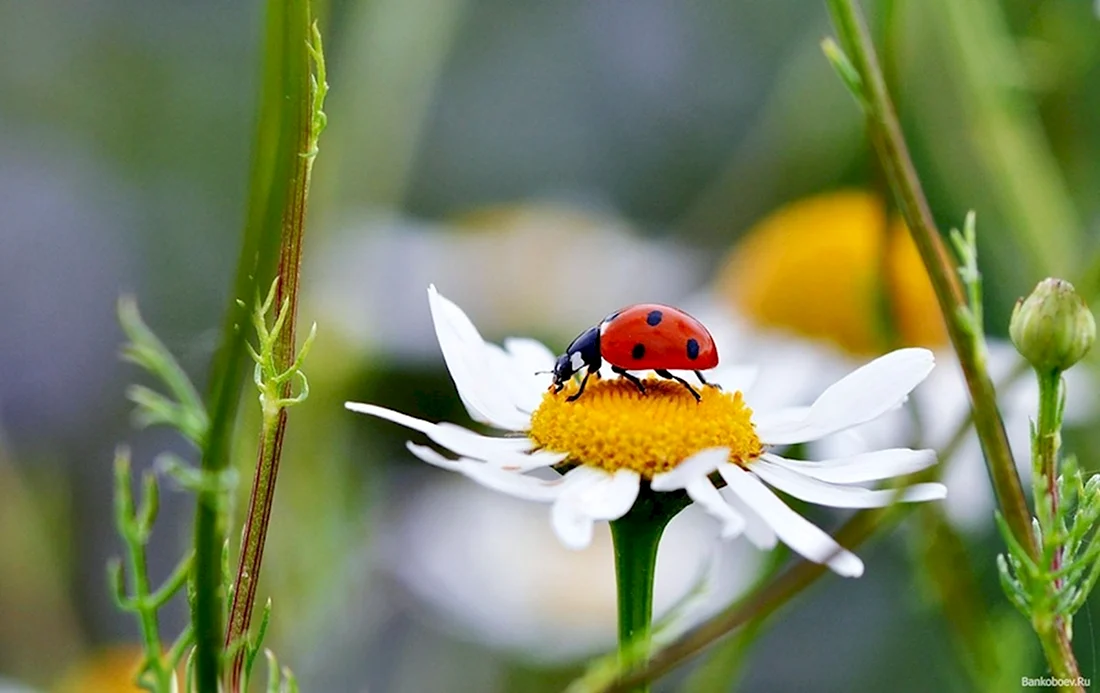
(543, 372)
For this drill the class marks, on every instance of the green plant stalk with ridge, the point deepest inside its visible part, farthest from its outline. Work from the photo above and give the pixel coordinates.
(858, 68)
(1053, 630)
(276, 362)
(284, 105)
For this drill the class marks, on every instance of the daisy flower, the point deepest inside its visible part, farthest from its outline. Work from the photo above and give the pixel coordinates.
(589, 458)
(804, 321)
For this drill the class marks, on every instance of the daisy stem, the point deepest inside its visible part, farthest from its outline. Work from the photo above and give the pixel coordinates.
(860, 70)
(758, 604)
(636, 537)
(635, 563)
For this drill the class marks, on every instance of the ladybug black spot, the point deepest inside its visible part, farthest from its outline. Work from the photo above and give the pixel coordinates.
(654, 318)
(692, 349)
(638, 351)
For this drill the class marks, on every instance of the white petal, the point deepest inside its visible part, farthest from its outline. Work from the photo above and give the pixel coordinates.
(589, 495)
(502, 452)
(603, 496)
(861, 396)
(703, 492)
(823, 493)
(868, 466)
(697, 466)
(794, 530)
(757, 530)
(523, 384)
(530, 354)
(474, 367)
(510, 483)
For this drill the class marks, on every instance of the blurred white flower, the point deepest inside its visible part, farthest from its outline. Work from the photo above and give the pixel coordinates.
(616, 441)
(522, 268)
(489, 568)
(826, 282)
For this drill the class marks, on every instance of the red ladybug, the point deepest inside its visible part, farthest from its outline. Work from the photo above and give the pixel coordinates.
(646, 336)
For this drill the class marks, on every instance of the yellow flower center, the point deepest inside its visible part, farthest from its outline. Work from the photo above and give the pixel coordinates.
(614, 426)
(834, 267)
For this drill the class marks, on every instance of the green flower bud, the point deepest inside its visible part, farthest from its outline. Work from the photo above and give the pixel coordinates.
(1052, 328)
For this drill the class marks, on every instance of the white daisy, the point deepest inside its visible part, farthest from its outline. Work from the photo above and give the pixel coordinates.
(600, 449)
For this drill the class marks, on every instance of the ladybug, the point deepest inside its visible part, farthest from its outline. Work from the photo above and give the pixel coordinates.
(646, 336)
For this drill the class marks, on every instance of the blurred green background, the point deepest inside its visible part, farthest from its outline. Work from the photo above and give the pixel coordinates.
(542, 163)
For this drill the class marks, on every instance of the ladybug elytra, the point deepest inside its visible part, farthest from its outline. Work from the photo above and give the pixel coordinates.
(646, 336)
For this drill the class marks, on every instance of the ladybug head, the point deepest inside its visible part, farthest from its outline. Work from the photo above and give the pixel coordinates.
(563, 370)
(584, 351)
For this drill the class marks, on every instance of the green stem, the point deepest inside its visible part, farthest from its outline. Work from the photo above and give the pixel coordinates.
(1053, 631)
(886, 136)
(1047, 439)
(759, 603)
(289, 27)
(637, 536)
(276, 156)
(137, 564)
(1054, 648)
(252, 545)
(635, 566)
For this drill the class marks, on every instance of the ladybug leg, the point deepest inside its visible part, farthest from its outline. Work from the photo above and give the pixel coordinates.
(666, 374)
(632, 378)
(584, 381)
(699, 375)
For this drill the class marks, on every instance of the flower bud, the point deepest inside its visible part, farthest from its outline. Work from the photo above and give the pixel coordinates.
(1052, 328)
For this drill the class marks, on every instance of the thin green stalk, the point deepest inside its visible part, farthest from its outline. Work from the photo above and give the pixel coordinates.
(1053, 631)
(859, 68)
(278, 364)
(275, 159)
(252, 546)
(1048, 434)
(135, 527)
(860, 71)
(1053, 644)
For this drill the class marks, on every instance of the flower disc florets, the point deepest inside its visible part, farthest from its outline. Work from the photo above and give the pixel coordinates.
(614, 426)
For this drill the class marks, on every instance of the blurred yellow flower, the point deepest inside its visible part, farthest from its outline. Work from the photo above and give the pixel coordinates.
(825, 282)
(107, 670)
(832, 267)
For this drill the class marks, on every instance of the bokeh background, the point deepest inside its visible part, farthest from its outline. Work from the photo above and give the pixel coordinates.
(542, 164)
